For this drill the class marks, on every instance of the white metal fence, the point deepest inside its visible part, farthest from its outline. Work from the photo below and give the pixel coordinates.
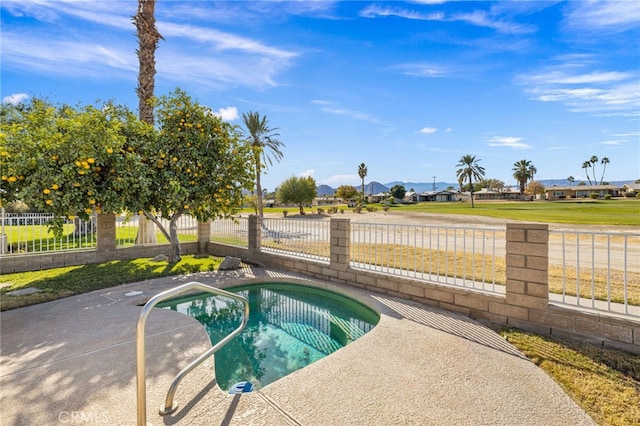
(232, 231)
(28, 233)
(22, 233)
(127, 229)
(308, 238)
(464, 257)
(595, 270)
(592, 270)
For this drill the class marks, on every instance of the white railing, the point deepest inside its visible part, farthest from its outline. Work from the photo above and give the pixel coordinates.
(231, 231)
(463, 257)
(308, 238)
(595, 270)
(127, 229)
(28, 233)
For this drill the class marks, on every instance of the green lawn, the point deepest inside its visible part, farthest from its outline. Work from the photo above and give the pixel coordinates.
(625, 212)
(56, 283)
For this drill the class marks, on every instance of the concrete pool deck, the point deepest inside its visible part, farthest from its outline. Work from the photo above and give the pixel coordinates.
(73, 361)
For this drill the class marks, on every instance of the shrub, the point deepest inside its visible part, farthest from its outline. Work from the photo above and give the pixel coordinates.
(638, 195)
(385, 208)
(371, 209)
(342, 211)
(320, 210)
(594, 195)
(285, 213)
(607, 196)
(631, 194)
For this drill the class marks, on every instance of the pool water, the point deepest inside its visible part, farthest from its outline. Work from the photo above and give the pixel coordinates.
(290, 326)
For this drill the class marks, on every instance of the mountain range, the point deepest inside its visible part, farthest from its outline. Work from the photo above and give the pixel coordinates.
(374, 187)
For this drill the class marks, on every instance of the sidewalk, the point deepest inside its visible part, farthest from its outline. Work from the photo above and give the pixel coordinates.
(72, 361)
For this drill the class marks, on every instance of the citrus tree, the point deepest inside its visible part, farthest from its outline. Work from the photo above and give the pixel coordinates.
(70, 161)
(297, 190)
(197, 165)
(76, 161)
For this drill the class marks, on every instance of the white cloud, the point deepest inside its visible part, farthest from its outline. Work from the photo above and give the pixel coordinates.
(581, 89)
(613, 142)
(609, 16)
(428, 130)
(422, 70)
(448, 129)
(228, 113)
(336, 180)
(67, 57)
(306, 173)
(16, 98)
(508, 142)
(330, 108)
(478, 18)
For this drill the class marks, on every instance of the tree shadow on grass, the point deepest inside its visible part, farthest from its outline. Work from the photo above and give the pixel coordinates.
(63, 282)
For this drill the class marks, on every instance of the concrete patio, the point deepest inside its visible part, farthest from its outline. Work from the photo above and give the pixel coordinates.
(73, 361)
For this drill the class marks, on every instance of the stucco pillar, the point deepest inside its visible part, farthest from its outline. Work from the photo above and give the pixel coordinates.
(255, 225)
(106, 237)
(204, 235)
(527, 258)
(340, 243)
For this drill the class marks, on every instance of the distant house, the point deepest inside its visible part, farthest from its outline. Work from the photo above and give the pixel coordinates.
(376, 198)
(630, 187)
(493, 194)
(581, 191)
(440, 196)
(327, 201)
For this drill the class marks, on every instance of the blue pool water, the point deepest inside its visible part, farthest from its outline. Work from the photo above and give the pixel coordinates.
(290, 326)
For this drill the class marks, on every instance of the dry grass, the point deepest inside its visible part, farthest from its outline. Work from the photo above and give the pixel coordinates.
(604, 382)
(597, 284)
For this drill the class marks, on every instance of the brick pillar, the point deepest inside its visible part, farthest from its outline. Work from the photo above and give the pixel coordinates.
(340, 236)
(106, 237)
(204, 235)
(255, 233)
(527, 257)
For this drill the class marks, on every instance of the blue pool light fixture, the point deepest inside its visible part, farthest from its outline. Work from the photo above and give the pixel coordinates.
(241, 387)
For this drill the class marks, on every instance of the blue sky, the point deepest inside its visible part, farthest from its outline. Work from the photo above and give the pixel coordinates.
(405, 87)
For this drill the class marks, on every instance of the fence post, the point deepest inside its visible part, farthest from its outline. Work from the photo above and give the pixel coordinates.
(106, 237)
(527, 258)
(255, 224)
(340, 243)
(204, 235)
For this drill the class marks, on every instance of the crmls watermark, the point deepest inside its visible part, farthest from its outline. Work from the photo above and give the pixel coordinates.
(80, 417)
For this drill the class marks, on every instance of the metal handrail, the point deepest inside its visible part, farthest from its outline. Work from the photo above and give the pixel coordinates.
(141, 375)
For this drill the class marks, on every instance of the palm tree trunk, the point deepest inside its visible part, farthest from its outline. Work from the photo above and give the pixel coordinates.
(471, 191)
(148, 37)
(259, 189)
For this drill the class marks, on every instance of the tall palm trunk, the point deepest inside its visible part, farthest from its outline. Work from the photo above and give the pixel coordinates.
(259, 186)
(148, 37)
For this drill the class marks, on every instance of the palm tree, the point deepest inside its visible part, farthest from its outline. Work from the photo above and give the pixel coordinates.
(585, 166)
(522, 172)
(593, 162)
(469, 169)
(604, 162)
(571, 179)
(148, 38)
(362, 172)
(262, 139)
(532, 172)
